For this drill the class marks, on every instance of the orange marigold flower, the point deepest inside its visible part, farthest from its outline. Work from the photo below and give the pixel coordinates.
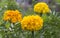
(12, 15)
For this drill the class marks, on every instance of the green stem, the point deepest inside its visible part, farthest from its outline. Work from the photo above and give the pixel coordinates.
(33, 34)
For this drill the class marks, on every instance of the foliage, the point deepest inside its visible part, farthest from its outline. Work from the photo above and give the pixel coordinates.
(58, 1)
(51, 28)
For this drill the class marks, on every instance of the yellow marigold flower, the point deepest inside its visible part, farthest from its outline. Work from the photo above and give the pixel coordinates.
(13, 16)
(41, 7)
(32, 23)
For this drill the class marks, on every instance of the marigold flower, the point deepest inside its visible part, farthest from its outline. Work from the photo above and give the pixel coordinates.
(32, 23)
(13, 16)
(41, 7)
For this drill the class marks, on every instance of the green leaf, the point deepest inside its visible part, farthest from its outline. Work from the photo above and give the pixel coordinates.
(7, 25)
(0, 36)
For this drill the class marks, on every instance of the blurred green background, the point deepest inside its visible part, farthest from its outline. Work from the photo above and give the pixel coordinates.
(51, 27)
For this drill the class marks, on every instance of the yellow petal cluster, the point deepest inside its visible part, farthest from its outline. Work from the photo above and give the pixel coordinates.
(41, 7)
(12, 16)
(32, 23)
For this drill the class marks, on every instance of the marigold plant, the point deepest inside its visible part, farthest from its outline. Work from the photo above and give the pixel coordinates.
(12, 16)
(41, 7)
(32, 23)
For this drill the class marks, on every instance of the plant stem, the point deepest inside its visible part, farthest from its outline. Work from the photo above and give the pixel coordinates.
(33, 34)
